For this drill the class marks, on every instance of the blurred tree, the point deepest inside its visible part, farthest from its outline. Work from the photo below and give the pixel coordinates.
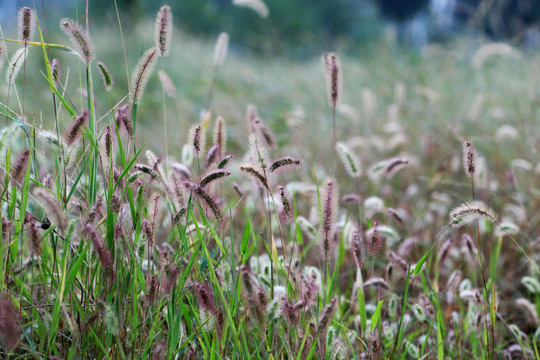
(401, 10)
(500, 19)
(292, 23)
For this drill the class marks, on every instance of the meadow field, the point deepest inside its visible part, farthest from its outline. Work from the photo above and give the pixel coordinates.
(165, 196)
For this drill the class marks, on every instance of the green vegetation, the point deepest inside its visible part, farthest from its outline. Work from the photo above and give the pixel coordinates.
(137, 225)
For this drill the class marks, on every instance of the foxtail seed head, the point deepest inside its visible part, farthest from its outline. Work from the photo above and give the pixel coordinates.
(349, 159)
(470, 159)
(141, 74)
(469, 212)
(256, 5)
(220, 51)
(163, 28)
(15, 64)
(329, 213)
(79, 39)
(106, 76)
(332, 69)
(220, 136)
(197, 140)
(25, 24)
(74, 132)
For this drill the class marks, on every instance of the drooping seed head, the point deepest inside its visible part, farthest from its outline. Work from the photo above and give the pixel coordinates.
(398, 262)
(471, 211)
(223, 163)
(468, 243)
(532, 284)
(238, 190)
(286, 211)
(79, 39)
(26, 24)
(18, 169)
(141, 74)
(394, 165)
(332, 69)
(307, 228)
(163, 30)
(214, 176)
(15, 63)
(182, 170)
(122, 117)
(351, 199)
(445, 250)
(393, 304)
(220, 51)
(264, 132)
(212, 155)
(374, 241)
(399, 215)
(284, 163)
(255, 174)
(75, 130)
(349, 159)
(256, 5)
(106, 76)
(147, 170)
(377, 282)
(207, 200)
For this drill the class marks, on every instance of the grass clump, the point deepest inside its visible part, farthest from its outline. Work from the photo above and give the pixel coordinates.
(112, 250)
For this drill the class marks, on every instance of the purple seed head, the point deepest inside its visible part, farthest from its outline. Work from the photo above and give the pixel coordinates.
(26, 24)
(205, 297)
(163, 30)
(75, 130)
(470, 159)
(18, 169)
(357, 248)
(332, 69)
(329, 214)
(284, 163)
(79, 39)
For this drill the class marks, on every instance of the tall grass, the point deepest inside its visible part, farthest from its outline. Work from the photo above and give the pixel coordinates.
(110, 250)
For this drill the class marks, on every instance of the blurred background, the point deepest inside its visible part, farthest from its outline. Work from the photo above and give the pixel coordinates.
(303, 26)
